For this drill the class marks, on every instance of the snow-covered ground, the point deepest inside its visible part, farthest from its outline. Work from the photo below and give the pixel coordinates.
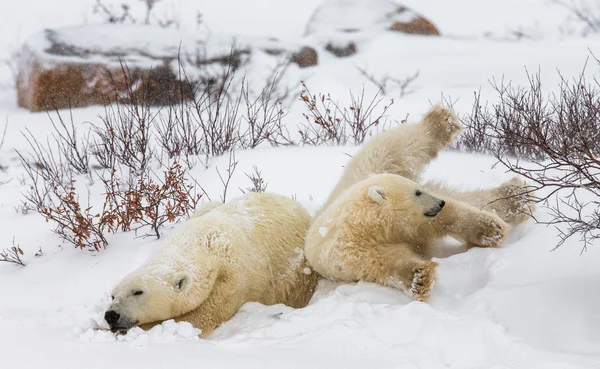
(521, 306)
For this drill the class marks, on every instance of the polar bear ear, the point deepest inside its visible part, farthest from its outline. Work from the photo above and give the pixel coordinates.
(181, 282)
(376, 194)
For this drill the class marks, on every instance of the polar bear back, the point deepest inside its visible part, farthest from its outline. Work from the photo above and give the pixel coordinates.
(260, 237)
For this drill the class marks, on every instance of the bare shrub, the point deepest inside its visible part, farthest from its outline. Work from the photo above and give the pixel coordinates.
(71, 148)
(231, 166)
(126, 132)
(74, 224)
(258, 183)
(403, 86)
(123, 14)
(133, 204)
(330, 124)
(52, 191)
(45, 168)
(24, 208)
(142, 202)
(553, 141)
(221, 118)
(12, 254)
(586, 12)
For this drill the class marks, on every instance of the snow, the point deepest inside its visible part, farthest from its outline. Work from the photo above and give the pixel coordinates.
(167, 331)
(518, 306)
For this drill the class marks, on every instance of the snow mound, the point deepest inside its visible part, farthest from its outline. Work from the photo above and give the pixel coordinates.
(361, 315)
(167, 331)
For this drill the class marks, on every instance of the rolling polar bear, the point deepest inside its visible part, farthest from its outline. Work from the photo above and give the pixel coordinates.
(379, 223)
(249, 249)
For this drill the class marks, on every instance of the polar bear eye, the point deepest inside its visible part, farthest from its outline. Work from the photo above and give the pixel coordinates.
(418, 193)
(137, 293)
(112, 297)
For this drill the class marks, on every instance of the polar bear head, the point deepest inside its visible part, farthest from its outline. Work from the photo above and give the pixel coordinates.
(165, 287)
(400, 195)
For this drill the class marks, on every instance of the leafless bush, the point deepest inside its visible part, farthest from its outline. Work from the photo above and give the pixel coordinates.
(74, 224)
(53, 194)
(386, 83)
(132, 204)
(75, 151)
(12, 254)
(586, 12)
(123, 14)
(330, 124)
(220, 119)
(45, 169)
(142, 202)
(24, 208)
(231, 166)
(258, 183)
(126, 132)
(552, 141)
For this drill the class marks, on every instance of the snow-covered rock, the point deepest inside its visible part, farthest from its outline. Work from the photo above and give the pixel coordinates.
(95, 64)
(353, 16)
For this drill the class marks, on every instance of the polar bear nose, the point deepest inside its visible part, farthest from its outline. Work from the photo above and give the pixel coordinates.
(442, 204)
(111, 317)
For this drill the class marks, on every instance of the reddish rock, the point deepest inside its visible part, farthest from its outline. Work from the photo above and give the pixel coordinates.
(81, 66)
(306, 57)
(78, 85)
(417, 25)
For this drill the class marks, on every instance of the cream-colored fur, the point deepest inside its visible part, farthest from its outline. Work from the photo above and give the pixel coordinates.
(379, 227)
(249, 249)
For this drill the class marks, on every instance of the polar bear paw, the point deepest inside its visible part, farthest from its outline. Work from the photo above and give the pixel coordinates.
(423, 280)
(489, 231)
(442, 123)
(514, 202)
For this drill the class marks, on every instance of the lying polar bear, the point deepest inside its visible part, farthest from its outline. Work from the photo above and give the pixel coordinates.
(249, 249)
(379, 223)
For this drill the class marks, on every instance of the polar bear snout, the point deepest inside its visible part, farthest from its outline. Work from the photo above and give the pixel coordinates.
(117, 322)
(435, 210)
(111, 317)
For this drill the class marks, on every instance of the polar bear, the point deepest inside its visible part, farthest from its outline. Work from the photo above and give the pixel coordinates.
(379, 223)
(249, 249)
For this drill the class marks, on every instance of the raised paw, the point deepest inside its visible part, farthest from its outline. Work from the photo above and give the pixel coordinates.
(423, 280)
(442, 123)
(513, 201)
(488, 231)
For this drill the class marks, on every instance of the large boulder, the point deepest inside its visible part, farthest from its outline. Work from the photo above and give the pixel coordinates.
(361, 16)
(98, 64)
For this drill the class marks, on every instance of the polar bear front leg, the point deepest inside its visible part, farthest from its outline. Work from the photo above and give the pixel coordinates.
(392, 265)
(476, 228)
(512, 200)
